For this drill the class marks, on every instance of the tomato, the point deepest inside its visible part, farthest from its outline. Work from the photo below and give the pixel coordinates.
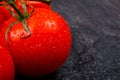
(6, 64)
(46, 49)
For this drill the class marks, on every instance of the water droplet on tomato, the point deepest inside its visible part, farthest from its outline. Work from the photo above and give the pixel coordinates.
(54, 47)
(65, 31)
(51, 25)
(50, 38)
(32, 47)
(38, 45)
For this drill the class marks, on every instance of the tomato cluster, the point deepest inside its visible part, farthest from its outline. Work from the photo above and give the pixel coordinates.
(43, 51)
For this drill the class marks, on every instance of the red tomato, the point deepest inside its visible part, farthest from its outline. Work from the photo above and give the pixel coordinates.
(46, 49)
(6, 64)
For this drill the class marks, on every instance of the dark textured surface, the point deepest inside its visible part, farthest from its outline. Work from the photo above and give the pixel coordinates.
(95, 53)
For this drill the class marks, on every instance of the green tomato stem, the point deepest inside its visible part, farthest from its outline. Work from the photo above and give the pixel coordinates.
(10, 2)
(24, 8)
(24, 22)
(22, 17)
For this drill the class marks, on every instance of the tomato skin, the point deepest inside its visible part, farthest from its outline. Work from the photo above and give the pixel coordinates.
(6, 64)
(1, 19)
(34, 4)
(5, 12)
(46, 49)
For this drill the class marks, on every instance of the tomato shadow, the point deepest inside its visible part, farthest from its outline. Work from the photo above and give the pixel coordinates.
(51, 76)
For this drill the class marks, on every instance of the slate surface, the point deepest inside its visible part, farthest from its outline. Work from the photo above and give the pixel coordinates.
(95, 53)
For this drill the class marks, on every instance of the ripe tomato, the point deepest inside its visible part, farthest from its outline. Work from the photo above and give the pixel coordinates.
(6, 64)
(46, 49)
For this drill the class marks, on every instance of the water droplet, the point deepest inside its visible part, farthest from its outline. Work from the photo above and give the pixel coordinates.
(51, 38)
(54, 47)
(39, 45)
(32, 47)
(51, 25)
(65, 31)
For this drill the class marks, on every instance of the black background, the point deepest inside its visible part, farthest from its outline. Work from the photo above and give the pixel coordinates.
(95, 53)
